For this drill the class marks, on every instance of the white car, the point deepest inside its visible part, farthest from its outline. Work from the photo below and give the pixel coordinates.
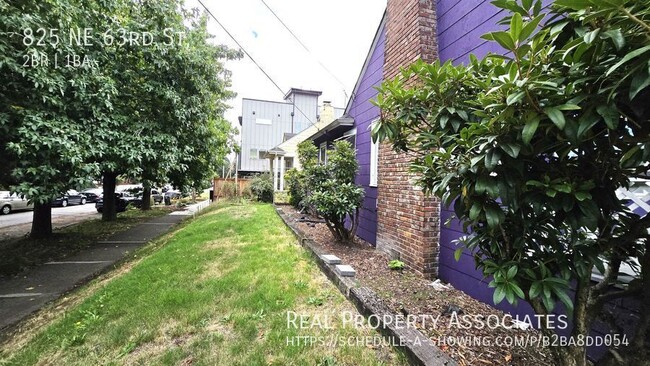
(12, 202)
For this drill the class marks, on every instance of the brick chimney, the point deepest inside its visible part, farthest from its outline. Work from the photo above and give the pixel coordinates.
(327, 112)
(408, 223)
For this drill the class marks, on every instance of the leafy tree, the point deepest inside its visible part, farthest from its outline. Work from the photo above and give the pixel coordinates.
(330, 189)
(45, 110)
(167, 122)
(155, 112)
(530, 149)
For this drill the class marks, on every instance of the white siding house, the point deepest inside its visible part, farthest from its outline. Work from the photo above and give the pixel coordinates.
(266, 124)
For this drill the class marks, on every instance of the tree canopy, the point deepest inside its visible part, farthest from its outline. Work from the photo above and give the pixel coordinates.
(150, 108)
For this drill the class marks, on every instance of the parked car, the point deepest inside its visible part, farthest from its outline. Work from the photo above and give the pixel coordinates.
(173, 194)
(170, 195)
(90, 196)
(121, 203)
(71, 197)
(13, 202)
(126, 195)
(155, 198)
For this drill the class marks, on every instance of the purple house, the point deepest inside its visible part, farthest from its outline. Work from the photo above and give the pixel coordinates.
(354, 126)
(395, 215)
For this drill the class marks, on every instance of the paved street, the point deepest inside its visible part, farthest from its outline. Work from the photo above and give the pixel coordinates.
(18, 224)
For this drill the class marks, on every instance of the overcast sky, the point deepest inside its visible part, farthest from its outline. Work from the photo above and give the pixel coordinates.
(338, 33)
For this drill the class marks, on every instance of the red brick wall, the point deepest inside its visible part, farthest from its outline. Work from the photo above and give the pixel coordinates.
(407, 221)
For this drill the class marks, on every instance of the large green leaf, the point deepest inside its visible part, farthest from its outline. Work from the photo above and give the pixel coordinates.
(529, 129)
(511, 149)
(636, 53)
(639, 82)
(516, 25)
(556, 116)
(530, 27)
(504, 39)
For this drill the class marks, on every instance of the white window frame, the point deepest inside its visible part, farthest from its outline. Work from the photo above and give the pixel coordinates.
(253, 155)
(322, 153)
(374, 159)
(346, 136)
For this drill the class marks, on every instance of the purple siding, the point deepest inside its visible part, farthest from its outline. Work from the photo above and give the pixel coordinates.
(460, 26)
(364, 112)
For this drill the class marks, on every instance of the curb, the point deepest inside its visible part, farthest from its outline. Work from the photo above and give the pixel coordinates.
(419, 349)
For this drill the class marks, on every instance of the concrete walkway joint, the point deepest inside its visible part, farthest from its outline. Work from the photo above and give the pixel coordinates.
(56, 278)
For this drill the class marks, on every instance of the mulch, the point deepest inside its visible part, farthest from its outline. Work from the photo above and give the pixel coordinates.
(406, 292)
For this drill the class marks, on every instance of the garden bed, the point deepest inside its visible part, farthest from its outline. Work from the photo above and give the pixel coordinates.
(405, 292)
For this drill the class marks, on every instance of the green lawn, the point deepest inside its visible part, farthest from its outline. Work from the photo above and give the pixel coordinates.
(215, 292)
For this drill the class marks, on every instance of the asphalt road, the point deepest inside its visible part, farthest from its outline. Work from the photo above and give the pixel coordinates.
(19, 223)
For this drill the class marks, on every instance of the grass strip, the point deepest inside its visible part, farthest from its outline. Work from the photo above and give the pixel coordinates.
(216, 292)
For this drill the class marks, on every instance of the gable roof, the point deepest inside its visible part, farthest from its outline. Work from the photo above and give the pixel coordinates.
(375, 41)
(345, 121)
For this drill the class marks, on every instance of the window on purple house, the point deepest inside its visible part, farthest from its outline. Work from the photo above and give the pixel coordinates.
(374, 156)
(322, 153)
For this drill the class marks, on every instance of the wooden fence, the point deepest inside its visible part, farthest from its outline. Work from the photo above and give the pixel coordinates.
(224, 187)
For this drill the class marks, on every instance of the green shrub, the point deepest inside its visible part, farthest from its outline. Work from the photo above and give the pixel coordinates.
(294, 178)
(247, 193)
(531, 149)
(330, 190)
(262, 188)
(228, 190)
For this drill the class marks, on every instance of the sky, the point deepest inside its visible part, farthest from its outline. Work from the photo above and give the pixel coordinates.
(338, 33)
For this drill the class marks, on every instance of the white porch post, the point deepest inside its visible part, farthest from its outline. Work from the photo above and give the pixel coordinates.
(282, 173)
(275, 173)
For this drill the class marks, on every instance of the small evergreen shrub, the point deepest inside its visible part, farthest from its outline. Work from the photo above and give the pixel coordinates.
(262, 188)
(294, 178)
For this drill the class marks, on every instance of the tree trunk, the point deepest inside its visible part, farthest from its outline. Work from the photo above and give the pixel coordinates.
(355, 223)
(637, 352)
(109, 212)
(146, 195)
(562, 356)
(583, 317)
(42, 221)
(332, 227)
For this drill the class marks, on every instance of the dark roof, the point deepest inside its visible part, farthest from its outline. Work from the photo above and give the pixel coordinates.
(336, 127)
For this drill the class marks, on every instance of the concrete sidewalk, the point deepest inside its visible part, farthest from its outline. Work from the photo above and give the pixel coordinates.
(23, 295)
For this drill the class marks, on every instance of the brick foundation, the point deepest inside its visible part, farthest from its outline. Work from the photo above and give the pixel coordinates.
(407, 222)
